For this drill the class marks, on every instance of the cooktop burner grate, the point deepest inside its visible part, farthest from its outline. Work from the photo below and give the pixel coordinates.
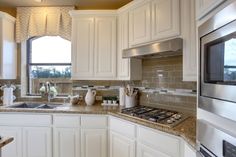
(163, 117)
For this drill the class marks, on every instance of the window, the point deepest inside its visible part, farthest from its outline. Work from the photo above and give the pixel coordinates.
(49, 59)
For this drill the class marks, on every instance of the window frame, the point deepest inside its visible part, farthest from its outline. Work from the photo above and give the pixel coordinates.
(29, 64)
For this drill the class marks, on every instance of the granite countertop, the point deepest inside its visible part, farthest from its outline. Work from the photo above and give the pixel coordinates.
(186, 129)
(5, 140)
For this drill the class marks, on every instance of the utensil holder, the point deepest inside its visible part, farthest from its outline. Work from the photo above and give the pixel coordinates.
(130, 101)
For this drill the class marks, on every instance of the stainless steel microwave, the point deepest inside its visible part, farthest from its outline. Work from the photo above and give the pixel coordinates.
(218, 63)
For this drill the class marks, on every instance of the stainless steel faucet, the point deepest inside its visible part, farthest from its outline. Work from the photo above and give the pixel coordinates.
(47, 91)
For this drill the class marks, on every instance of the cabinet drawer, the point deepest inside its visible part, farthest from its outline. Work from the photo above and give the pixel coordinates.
(123, 127)
(66, 121)
(160, 141)
(94, 121)
(25, 120)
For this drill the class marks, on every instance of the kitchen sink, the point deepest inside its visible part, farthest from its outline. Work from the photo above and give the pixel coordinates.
(35, 105)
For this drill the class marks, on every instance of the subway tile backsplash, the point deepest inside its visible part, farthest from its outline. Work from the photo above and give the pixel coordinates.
(157, 73)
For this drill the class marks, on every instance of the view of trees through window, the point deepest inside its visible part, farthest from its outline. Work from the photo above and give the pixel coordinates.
(49, 59)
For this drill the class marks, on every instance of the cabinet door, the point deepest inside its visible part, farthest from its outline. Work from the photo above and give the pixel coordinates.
(94, 142)
(203, 7)
(121, 146)
(37, 142)
(13, 149)
(189, 40)
(66, 142)
(140, 23)
(82, 48)
(105, 47)
(165, 19)
(123, 43)
(145, 151)
(8, 52)
(189, 151)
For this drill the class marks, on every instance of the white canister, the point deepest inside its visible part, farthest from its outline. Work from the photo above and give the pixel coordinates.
(122, 96)
(130, 101)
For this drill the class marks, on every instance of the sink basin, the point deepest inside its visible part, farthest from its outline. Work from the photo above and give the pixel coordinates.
(35, 106)
(48, 106)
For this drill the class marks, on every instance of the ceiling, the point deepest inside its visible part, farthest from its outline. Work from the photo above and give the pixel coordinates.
(80, 4)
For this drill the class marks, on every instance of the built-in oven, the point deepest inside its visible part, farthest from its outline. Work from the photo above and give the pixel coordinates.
(218, 63)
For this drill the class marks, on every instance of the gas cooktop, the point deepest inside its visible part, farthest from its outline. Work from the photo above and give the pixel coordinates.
(163, 117)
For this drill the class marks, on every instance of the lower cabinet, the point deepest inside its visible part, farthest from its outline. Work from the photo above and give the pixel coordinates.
(13, 149)
(94, 142)
(189, 151)
(86, 136)
(66, 142)
(37, 142)
(145, 151)
(121, 146)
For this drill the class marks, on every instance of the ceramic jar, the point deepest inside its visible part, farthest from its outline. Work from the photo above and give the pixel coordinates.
(90, 97)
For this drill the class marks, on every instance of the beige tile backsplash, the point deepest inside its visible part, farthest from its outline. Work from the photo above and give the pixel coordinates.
(157, 73)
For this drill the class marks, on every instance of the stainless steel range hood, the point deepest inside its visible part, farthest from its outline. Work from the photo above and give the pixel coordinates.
(167, 48)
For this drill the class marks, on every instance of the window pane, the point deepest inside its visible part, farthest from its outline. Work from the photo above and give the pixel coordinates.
(50, 49)
(59, 76)
(59, 71)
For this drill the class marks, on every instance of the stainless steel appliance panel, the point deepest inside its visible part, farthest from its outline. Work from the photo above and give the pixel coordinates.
(215, 141)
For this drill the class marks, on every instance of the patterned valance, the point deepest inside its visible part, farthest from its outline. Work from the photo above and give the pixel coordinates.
(43, 21)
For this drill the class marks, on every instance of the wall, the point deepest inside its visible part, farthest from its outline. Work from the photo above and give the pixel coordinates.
(157, 73)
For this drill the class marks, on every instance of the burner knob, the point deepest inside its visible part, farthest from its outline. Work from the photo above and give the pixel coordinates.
(169, 121)
(177, 116)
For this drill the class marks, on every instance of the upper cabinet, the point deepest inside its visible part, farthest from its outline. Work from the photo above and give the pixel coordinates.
(93, 45)
(188, 27)
(8, 55)
(153, 20)
(203, 7)
(127, 69)
(140, 23)
(82, 47)
(165, 19)
(105, 47)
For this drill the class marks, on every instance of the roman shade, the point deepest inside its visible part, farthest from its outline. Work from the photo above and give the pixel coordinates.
(43, 21)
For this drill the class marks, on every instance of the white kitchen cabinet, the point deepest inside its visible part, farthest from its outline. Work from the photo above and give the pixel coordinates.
(140, 23)
(8, 54)
(93, 45)
(82, 47)
(105, 47)
(66, 142)
(145, 151)
(121, 146)
(37, 142)
(127, 69)
(203, 7)
(13, 149)
(189, 151)
(149, 140)
(165, 19)
(189, 40)
(66, 135)
(94, 142)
